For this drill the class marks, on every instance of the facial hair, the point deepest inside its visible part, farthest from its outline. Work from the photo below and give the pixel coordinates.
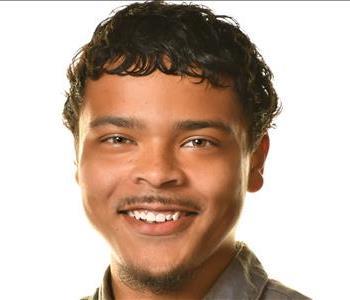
(143, 280)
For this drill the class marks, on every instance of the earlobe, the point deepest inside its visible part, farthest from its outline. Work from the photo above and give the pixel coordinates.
(256, 180)
(258, 158)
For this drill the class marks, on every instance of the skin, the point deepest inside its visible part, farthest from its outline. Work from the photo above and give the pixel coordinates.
(212, 166)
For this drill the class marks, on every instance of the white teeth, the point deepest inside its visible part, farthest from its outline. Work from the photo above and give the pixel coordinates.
(137, 215)
(143, 215)
(160, 218)
(176, 216)
(151, 217)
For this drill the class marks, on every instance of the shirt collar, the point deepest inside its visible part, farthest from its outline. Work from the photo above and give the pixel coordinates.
(105, 291)
(244, 278)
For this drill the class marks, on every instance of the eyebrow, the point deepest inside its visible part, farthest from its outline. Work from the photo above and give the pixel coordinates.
(201, 124)
(125, 122)
(186, 125)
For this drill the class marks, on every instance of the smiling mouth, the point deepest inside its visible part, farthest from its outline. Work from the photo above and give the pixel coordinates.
(157, 217)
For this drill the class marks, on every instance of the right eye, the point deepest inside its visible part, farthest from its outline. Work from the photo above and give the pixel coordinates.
(117, 140)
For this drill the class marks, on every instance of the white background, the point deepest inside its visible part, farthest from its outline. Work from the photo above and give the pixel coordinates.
(298, 224)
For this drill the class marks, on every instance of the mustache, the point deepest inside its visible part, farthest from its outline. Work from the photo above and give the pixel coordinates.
(187, 203)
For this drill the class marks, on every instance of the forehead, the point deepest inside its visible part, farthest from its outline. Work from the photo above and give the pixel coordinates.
(159, 98)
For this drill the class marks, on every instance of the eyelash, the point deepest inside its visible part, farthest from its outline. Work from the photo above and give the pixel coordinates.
(206, 141)
(112, 139)
(125, 140)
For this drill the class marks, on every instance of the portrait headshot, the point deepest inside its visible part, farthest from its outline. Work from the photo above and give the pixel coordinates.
(175, 150)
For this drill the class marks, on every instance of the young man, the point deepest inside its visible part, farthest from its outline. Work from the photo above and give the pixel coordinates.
(170, 106)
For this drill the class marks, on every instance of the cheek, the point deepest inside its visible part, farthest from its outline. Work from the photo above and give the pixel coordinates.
(99, 174)
(230, 193)
(95, 179)
(98, 179)
(222, 187)
(219, 179)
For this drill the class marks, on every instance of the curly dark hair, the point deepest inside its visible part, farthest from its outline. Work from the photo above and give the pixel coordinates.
(178, 39)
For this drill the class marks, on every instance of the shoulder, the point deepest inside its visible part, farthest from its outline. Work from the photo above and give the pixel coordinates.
(274, 290)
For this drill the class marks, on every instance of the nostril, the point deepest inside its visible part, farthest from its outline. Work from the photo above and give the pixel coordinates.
(158, 182)
(157, 167)
(156, 178)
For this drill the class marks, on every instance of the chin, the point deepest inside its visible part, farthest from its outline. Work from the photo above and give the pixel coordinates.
(157, 278)
(157, 265)
(155, 258)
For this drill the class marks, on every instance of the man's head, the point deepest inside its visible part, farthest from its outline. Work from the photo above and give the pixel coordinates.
(169, 106)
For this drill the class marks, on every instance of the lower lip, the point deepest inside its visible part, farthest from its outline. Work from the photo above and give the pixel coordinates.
(159, 229)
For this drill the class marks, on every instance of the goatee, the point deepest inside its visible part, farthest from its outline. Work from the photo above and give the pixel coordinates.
(143, 280)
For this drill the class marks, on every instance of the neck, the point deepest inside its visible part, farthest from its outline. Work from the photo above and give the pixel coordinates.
(196, 287)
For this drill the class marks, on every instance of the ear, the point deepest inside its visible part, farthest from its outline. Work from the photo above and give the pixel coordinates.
(257, 161)
(76, 172)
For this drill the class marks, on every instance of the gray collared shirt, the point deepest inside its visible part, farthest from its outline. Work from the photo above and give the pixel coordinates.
(243, 279)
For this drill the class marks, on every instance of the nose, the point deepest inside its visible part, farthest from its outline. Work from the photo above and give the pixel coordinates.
(157, 167)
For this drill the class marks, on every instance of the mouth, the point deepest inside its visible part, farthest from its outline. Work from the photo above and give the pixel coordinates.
(157, 221)
(157, 217)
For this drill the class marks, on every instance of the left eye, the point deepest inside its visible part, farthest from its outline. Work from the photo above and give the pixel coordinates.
(117, 139)
(198, 143)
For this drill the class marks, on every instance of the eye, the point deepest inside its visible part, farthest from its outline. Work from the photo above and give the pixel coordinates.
(117, 140)
(198, 143)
